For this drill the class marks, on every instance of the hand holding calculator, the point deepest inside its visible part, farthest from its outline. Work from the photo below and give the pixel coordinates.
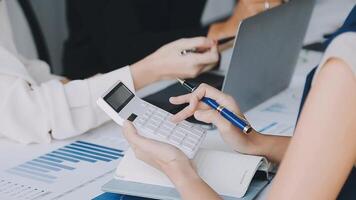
(150, 121)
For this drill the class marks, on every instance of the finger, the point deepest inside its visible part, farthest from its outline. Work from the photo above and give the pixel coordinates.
(130, 133)
(212, 116)
(205, 90)
(133, 137)
(185, 99)
(196, 42)
(208, 57)
(187, 111)
(221, 98)
(180, 99)
(136, 141)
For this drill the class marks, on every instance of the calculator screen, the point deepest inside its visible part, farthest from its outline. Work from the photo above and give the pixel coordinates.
(119, 97)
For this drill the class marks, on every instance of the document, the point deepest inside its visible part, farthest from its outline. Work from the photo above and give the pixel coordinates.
(52, 171)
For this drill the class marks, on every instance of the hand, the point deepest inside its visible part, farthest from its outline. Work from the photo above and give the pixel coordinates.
(243, 10)
(162, 156)
(169, 63)
(232, 135)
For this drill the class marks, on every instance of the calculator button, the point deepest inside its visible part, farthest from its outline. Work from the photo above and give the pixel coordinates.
(145, 115)
(190, 141)
(151, 109)
(188, 146)
(184, 126)
(151, 127)
(180, 134)
(194, 136)
(157, 118)
(139, 121)
(169, 126)
(198, 132)
(175, 138)
(163, 133)
(187, 124)
(161, 112)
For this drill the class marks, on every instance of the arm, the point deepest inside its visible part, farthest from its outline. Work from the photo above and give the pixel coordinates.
(172, 162)
(176, 165)
(272, 147)
(67, 110)
(323, 149)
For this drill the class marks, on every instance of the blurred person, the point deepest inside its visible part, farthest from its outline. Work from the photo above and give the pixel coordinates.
(107, 34)
(37, 106)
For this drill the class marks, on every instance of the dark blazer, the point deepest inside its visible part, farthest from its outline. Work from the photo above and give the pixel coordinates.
(108, 34)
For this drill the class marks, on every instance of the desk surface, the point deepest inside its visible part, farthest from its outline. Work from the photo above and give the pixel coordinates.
(277, 115)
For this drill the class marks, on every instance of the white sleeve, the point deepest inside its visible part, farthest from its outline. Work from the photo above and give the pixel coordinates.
(53, 110)
(342, 47)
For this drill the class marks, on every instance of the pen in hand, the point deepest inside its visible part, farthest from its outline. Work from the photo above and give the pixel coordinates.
(200, 50)
(227, 114)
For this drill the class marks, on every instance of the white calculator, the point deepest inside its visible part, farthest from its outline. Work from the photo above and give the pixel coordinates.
(150, 121)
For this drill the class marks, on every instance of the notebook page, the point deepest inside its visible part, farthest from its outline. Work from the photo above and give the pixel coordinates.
(227, 173)
(132, 169)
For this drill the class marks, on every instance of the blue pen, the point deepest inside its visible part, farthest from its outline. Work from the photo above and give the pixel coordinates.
(227, 114)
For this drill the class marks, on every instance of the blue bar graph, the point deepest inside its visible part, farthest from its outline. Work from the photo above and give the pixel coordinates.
(96, 149)
(33, 168)
(45, 168)
(54, 164)
(62, 157)
(102, 147)
(92, 152)
(85, 155)
(73, 156)
(51, 159)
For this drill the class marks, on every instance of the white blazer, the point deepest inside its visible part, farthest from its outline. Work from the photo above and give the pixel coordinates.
(35, 106)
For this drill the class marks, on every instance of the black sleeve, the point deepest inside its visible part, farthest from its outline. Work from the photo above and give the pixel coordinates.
(115, 35)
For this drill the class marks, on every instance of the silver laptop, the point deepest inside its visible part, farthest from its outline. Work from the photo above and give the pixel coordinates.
(266, 52)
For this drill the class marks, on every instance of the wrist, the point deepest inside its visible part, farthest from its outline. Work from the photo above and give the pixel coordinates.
(269, 146)
(182, 175)
(144, 72)
(257, 144)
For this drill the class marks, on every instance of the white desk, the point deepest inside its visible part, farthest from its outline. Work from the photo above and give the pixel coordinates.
(278, 114)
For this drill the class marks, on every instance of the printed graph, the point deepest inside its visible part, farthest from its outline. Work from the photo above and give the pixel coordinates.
(46, 168)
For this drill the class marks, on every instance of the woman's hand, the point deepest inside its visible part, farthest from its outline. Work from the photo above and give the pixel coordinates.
(172, 162)
(272, 147)
(171, 64)
(243, 10)
(232, 135)
(168, 63)
(162, 156)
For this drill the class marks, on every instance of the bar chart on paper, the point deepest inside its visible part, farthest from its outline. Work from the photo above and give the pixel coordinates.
(73, 164)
